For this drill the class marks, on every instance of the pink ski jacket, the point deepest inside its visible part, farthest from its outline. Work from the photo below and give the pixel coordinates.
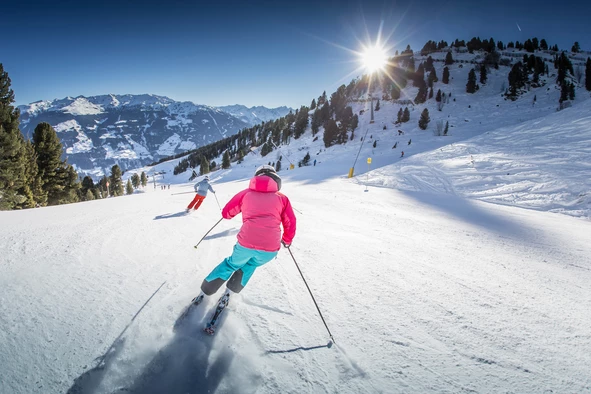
(263, 209)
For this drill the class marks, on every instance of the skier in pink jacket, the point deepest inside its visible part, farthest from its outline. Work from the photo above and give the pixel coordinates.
(264, 209)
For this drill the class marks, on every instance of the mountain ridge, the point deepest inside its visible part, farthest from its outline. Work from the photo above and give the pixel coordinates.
(131, 130)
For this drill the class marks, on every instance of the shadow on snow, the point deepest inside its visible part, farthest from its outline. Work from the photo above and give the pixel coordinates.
(186, 364)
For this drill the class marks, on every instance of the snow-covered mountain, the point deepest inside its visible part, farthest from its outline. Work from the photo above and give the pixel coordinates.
(130, 130)
(255, 115)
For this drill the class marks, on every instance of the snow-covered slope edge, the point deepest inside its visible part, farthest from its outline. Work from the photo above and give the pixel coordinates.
(541, 164)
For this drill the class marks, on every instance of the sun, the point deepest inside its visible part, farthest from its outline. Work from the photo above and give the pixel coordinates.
(374, 59)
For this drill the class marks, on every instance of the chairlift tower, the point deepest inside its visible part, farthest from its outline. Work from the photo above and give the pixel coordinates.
(371, 96)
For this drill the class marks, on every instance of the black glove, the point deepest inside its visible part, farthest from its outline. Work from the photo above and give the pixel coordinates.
(285, 244)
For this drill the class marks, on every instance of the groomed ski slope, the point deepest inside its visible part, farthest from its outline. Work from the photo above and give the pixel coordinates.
(423, 292)
(425, 285)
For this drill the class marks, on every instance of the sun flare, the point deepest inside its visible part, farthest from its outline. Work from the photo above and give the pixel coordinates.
(374, 59)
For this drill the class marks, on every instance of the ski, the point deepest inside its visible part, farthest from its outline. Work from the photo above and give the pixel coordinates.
(188, 309)
(211, 327)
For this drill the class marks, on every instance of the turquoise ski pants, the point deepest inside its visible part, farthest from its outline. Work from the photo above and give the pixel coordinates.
(239, 268)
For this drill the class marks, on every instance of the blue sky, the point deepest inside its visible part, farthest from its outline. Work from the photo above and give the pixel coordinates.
(268, 53)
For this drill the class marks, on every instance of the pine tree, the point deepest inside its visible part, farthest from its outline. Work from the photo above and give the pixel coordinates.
(422, 93)
(471, 85)
(52, 170)
(322, 99)
(89, 195)
(87, 187)
(431, 93)
(564, 91)
(571, 91)
(445, 77)
(449, 59)
(438, 97)
(226, 160)
(265, 150)
(576, 47)
(446, 128)
(143, 179)
(375, 143)
(313, 104)
(483, 72)
(12, 150)
(432, 78)
(71, 191)
(543, 44)
(278, 166)
(204, 166)
(115, 181)
(516, 80)
(306, 159)
(301, 122)
(377, 108)
(406, 115)
(331, 131)
(588, 74)
(419, 77)
(395, 92)
(135, 181)
(33, 187)
(424, 120)
(354, 123)
(399, 116)
(129, 187)
(102, 186)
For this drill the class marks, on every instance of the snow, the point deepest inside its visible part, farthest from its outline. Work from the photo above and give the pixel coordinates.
(168, 147)
(435, 272)
(255, 115)
(187, 145)
(84, 143)
(81, 106)
(178, 121)
(123, 151)
(139, 149)
(37, 107)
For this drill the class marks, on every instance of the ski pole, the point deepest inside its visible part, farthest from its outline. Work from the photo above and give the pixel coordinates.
(216, 199)
(102, 358)
(313, 299)
(218, 222)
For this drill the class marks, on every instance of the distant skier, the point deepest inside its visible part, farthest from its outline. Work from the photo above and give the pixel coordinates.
(314, 162)
(402, 154)
(395, 145)
(201, 189)
(264, 209)
(409, 141)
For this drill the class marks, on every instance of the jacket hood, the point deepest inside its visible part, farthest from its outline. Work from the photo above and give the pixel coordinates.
(264, 184)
